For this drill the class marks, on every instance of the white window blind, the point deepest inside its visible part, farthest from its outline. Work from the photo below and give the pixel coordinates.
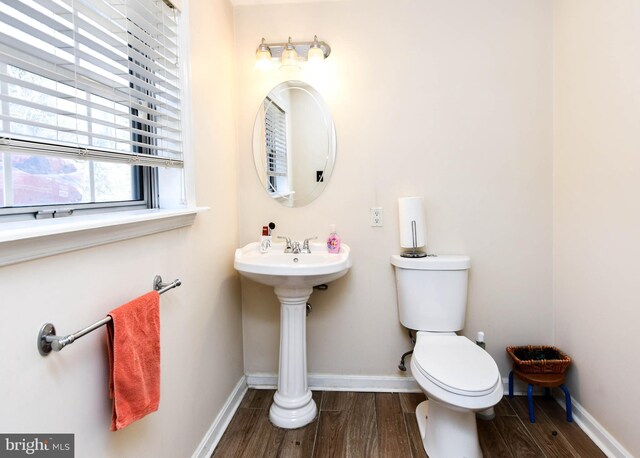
(95, 79)
(275, 133)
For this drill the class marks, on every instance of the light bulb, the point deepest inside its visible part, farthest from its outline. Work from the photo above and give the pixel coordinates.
(289, 58)
(263, 60)
(316, 54)
(263, 56)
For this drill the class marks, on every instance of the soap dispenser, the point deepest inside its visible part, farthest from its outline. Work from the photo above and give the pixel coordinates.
(333, 242)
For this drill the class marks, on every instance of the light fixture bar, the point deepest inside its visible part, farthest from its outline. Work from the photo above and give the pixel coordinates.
(302, 47)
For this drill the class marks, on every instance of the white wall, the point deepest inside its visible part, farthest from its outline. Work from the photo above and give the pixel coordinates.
(448, 100)
(597, 210)
(200, 321)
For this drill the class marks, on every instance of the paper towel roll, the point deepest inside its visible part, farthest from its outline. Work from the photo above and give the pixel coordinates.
(412, 209)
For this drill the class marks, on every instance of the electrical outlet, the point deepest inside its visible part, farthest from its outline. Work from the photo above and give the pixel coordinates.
(376, 216)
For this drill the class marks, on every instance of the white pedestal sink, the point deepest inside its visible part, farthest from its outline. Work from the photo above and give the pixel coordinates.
(293, 277)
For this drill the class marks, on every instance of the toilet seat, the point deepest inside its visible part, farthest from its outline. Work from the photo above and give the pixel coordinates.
(455, 364)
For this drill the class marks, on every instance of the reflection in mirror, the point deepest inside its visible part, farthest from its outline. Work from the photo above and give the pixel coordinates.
(294, 143)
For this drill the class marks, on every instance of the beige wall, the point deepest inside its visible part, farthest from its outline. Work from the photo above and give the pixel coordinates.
(597, 210)
(200, 321)
(448, 100)
(453, 101)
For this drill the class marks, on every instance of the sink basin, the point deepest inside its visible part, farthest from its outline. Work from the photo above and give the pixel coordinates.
(288, 270)
(293, 277)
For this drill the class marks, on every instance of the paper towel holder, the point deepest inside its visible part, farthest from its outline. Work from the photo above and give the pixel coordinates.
(414, 252)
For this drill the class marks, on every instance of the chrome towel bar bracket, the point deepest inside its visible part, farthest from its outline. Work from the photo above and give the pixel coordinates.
(48, 340)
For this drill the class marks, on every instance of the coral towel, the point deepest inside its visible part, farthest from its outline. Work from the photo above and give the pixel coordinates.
(133, 339)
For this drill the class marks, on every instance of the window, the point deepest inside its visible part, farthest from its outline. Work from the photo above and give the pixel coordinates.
(89, 104)
(275, 137)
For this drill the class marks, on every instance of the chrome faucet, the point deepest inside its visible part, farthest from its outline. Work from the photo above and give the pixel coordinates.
(305, 244)
(293, 246)
(288, 248)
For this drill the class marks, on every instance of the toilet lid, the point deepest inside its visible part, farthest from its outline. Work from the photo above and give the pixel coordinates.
(456, 364)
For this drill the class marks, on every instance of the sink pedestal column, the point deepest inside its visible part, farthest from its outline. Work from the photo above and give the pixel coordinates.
(292, 405)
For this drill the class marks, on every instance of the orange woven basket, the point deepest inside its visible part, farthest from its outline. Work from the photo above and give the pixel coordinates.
(539, 359)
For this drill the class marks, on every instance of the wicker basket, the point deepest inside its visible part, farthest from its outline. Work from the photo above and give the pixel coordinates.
(539, 359)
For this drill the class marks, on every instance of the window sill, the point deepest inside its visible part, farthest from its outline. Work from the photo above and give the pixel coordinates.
(28, 240)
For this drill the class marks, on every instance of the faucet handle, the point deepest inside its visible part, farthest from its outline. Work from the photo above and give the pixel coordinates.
(287, 240)
(305, 244)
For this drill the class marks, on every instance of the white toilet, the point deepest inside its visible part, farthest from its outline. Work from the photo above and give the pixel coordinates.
(458, 377)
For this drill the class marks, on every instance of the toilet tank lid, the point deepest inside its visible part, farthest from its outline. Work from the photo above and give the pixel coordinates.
(445, 262)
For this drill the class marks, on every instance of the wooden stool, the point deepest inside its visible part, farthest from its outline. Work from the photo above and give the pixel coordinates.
(547, 381)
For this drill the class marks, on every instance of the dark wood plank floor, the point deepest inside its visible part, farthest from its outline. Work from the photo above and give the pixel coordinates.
(381, 425)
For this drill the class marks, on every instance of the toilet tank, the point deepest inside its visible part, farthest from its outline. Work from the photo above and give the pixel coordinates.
(432, 292)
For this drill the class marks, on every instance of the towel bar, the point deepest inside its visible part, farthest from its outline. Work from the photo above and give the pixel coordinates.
(47, 340)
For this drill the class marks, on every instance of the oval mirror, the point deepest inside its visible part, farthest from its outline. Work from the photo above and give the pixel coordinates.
(294, 143)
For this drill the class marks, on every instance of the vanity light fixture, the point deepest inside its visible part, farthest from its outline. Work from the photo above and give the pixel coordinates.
(291, 54)
(263, 56)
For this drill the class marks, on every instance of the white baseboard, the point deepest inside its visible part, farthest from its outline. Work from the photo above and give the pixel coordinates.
(331, 382)
(598, 434)
(219, 425)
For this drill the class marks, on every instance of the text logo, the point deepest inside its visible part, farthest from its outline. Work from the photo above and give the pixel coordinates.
(36, 445)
